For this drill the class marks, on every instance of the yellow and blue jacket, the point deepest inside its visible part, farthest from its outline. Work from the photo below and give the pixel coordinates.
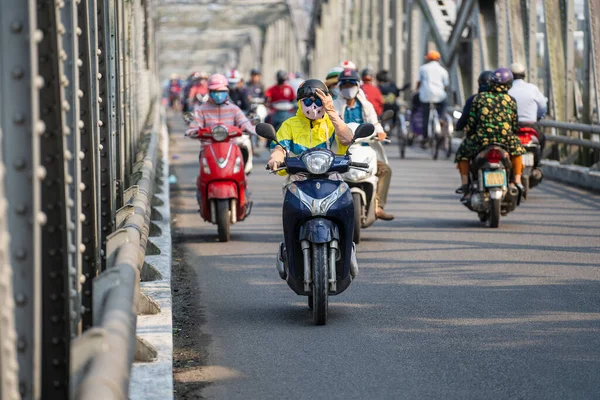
(298, 134)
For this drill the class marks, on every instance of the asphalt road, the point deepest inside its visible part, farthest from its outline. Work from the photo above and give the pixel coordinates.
(443, 308)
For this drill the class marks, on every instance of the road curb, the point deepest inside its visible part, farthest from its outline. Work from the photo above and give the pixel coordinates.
(573, 175)
(154, 380)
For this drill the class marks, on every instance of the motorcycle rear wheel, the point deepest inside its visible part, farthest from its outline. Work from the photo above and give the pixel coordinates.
(223, 220)
(526, 185)
(320, 283)
(357, 199)
(494, 219)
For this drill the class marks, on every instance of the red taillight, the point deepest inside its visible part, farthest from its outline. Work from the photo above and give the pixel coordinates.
(525, 138)
(494, 156)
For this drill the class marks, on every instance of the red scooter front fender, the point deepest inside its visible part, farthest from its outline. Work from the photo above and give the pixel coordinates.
(222, 190)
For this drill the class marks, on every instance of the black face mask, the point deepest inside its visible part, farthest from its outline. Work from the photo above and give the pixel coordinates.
(280, 81)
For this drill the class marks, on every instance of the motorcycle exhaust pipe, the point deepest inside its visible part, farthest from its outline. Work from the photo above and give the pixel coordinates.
(307, 269)
(513, 191)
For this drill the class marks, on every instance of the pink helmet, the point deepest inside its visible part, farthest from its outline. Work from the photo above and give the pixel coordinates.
(217, 82)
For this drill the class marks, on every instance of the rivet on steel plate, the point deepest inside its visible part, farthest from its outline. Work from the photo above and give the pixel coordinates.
(42, 219)
(16, 27)
(18, 73)
(21, 299)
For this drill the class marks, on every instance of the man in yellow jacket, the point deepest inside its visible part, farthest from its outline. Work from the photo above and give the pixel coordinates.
(316, 124)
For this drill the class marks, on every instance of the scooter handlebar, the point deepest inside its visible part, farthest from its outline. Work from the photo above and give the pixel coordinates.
(359, 165)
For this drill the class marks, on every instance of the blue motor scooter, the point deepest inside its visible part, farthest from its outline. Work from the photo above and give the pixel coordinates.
(318, 223)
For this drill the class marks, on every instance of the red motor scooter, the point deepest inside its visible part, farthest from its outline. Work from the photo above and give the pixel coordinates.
(221, 183)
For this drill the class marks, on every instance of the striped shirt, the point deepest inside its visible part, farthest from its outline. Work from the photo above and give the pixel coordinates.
(209, 114)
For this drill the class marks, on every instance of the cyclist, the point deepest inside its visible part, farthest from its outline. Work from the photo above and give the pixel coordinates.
(492, 119)
(432, 86)
(353, 106)
(531, 103)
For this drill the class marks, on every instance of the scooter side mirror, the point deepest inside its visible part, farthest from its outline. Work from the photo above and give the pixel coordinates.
(363, 131)
(266, 131)
(387, 115)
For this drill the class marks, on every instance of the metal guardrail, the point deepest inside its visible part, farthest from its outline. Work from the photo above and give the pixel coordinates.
(588, 158)
(105, 353)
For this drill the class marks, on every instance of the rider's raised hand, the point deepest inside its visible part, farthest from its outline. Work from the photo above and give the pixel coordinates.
(326, 99)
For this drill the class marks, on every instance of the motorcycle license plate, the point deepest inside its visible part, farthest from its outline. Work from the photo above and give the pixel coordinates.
(494, 178)
(527, 159)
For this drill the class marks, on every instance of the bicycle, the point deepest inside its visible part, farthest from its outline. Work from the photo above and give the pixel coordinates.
(405, 135)
(439, 132)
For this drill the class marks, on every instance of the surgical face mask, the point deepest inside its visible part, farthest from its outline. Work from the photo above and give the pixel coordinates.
(335, 92)
(219, 97)
(313, 111)
(349, 93)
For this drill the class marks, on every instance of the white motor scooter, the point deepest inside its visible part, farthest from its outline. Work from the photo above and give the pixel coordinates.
(363, 184)
(244, 142)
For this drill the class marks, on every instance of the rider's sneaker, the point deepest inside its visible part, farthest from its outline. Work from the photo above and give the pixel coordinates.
(280, 262)
(380, 214)
(353, 262)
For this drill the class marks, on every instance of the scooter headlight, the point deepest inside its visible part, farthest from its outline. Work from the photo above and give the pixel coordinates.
(219, 133)
(318, 162)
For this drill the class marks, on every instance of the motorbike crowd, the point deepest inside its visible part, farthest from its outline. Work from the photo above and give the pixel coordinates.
(328, 138)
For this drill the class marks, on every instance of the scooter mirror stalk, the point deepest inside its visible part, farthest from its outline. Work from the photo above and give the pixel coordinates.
(267, 131)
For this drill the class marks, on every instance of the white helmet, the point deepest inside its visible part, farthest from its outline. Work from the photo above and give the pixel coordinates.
(517, 69)
(348, 65)
(233, 76)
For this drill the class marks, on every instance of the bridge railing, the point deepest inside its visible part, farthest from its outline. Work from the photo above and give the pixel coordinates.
(568, 149)
(78, 84)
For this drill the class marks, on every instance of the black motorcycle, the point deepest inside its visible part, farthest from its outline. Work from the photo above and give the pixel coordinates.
(490, 195)
(318, 224)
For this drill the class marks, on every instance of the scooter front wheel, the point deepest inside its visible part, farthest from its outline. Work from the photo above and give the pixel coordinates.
(223, 220)
(320, 283)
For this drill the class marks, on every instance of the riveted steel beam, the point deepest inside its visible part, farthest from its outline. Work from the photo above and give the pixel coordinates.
(56, 244)
(90, 174)
(9, 388)
(19, 119)
(107, 121)
(73, 156)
